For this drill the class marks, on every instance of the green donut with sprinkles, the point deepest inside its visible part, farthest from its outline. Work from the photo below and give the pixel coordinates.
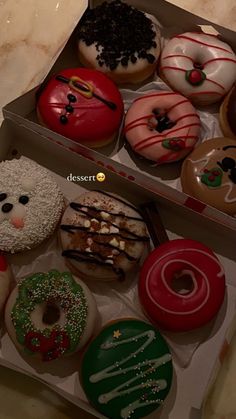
(50, 315)
(127, 370)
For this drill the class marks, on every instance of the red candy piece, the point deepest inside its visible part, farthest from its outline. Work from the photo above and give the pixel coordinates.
(195, 77)
(50, 347)
(3, 264)
(211, 178)
(164, 305)
(77, 113)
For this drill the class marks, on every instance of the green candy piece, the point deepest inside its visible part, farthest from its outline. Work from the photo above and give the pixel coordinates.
(47, 287)
(212, 177)
(127, 370)
(175, 144)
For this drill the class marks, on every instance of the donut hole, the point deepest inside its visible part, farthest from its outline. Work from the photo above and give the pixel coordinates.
(51, 314)
(182, 283)
(198, 65)
(160, 121)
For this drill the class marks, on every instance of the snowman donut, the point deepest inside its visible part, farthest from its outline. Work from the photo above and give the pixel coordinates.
(5, 280)
(31, 205)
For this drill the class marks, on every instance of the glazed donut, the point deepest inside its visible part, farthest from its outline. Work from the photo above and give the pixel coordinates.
(5, 281)
(209, 174)
(102, 236)
(199, 66)
(180, 261)
(50, 315)
(162, 126)
(31, 205)
(119, 40)
(228, 114)
(83, 105)
(127, 370)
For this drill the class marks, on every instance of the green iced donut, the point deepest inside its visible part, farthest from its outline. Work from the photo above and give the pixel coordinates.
(127, 370)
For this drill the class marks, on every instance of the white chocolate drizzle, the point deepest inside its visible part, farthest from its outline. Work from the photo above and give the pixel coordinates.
(115, 369)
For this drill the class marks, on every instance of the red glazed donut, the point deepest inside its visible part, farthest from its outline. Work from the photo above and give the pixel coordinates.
(83, 105)
(164, 266)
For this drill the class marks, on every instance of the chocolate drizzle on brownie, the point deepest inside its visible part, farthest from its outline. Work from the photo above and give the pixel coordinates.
(102, 237)
(120, 32)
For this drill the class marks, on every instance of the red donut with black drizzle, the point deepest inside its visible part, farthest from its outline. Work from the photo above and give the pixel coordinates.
(83, 105)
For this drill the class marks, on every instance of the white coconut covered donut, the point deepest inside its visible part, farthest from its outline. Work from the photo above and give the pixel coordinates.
(31, 204)
(51, 315)
(103, 237)
(199, 66)
(5, 280)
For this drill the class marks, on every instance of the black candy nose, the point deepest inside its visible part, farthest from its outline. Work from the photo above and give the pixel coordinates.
(7, 207)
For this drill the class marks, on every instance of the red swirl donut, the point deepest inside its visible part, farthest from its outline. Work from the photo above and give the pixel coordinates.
(189, 260)
(83, 105)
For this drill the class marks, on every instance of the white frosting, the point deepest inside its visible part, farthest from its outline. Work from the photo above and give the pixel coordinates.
(27, 225)
(217, 57)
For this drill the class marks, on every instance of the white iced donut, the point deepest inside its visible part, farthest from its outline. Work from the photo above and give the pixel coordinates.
(31, 205)
(50, 315)
(199, 66)
(5, 280)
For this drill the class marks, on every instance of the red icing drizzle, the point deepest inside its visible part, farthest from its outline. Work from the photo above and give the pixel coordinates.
(178, 55)
(3, 264)
(169, 67)
(219, 59)
(215, 82)
(201, 43)
(156, 95)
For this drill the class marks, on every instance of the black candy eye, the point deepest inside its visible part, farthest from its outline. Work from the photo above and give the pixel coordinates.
(71, 98)
(3, 196)
(228, 163)
(23, 199)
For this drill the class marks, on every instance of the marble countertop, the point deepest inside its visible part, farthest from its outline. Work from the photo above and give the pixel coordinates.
(32, 55)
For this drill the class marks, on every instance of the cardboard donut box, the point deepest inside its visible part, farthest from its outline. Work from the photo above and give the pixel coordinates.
(182, 215)
(162, 180)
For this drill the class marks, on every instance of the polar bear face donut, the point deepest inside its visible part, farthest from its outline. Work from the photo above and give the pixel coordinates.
(30, 204)
(199, 66)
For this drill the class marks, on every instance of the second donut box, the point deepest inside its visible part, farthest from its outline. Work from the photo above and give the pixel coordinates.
(119, 300)
(163, 180)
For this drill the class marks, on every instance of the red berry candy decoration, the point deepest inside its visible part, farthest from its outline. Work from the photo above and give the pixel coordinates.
(175, 144)
(83, 105)
(195, 77)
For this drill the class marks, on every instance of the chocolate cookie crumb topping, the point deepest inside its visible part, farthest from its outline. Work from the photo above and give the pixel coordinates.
(120, 32)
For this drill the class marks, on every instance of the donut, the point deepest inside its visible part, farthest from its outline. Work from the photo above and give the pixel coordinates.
(119, 40)
(5, 281)
(31, 205)
(181, 285)
(126, 371)
(83, 105)
(228, 114)
(50, 315)
(209, 174)
(162, 126)
(199, 66)
(102, 236)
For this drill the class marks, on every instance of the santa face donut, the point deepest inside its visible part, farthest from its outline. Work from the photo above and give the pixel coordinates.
(127, 370)
(228, 114)
(162, 126)
(102, 237)
(209, 174)
(5, 280)
(31, 205)
(50, 315)
(83, 105)
(199, 66)
(120, 41)
(191, 265)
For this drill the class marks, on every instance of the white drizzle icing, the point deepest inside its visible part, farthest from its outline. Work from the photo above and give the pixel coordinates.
(220, 274)
(114, 370)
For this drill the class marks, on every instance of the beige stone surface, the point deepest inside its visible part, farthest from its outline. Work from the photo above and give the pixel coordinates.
(217, 11)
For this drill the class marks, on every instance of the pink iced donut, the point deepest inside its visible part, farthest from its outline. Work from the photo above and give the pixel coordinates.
(162, 126)
(182, 285)
(199, 66)
(5, 280)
